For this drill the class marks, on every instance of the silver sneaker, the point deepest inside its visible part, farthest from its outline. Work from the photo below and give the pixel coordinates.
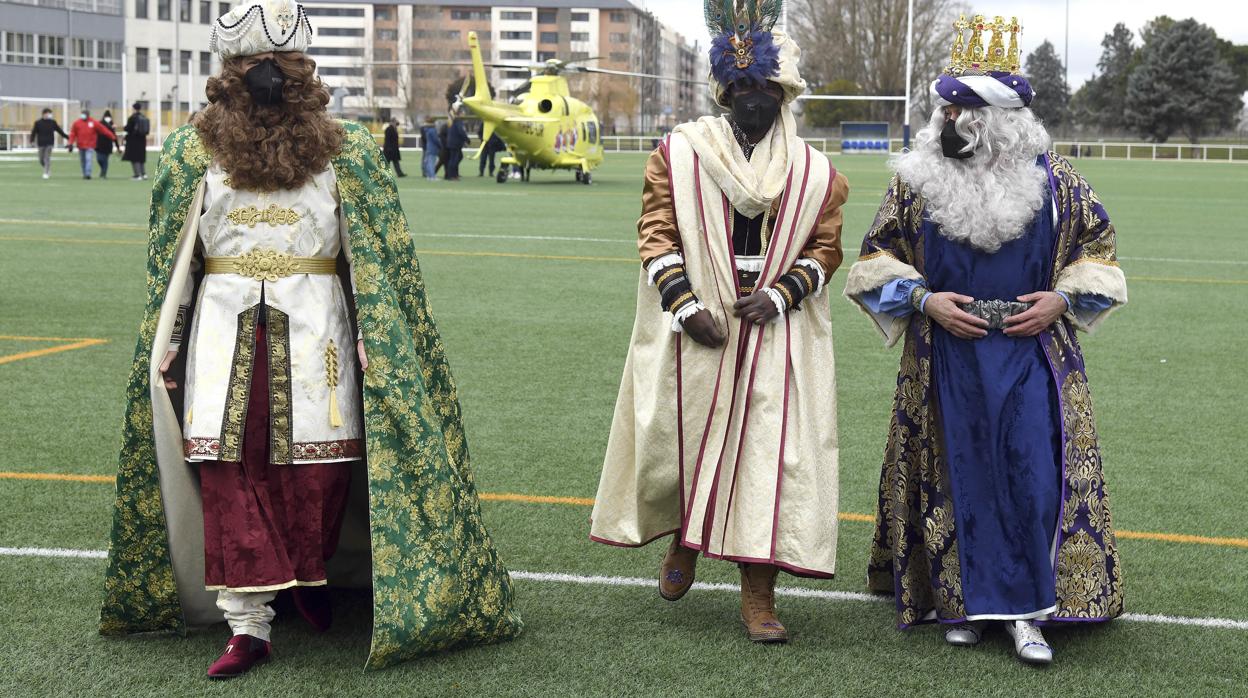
(964, 634)
(1029, 642)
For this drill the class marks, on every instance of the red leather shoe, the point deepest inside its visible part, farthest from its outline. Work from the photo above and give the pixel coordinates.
(313, 604)
(242, 653)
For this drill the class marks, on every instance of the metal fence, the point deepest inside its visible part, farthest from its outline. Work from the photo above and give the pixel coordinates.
(20, 140)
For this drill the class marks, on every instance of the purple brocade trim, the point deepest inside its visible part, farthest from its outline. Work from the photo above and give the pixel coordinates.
(764, 59)
(958, 93)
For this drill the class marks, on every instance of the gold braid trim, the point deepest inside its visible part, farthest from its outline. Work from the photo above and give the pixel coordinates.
(331, 377)
(788, 299)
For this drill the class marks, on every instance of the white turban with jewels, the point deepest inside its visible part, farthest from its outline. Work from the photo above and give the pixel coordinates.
(261, 27)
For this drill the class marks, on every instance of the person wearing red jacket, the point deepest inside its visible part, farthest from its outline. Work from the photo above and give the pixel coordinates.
(85, 133)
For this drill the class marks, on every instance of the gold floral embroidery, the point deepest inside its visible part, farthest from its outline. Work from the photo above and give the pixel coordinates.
(281, 423)
(238, 391)
(250, 216)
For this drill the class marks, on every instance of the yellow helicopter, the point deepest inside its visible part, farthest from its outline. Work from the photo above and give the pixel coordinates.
(544, 127)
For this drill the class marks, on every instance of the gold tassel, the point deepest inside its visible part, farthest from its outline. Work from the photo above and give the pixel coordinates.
(331, 377)
(189, 411)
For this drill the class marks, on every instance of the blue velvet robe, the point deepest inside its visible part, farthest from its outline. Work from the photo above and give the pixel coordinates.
(992, 498)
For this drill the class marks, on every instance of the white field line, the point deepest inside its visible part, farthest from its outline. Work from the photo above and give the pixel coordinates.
(595, 580)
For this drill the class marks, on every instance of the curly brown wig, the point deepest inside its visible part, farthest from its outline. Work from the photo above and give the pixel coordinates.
(267, 148)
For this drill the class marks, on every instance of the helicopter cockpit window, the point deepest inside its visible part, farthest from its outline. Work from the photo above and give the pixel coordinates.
(545, 106)
(592, 127)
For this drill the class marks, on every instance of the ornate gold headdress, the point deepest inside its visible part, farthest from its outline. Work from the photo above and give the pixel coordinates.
(972, 58)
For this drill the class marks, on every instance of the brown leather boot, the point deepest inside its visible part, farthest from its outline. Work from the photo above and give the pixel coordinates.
(758, 604)
(676, 574)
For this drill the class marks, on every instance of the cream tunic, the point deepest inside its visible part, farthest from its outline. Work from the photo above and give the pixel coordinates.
(313, 383)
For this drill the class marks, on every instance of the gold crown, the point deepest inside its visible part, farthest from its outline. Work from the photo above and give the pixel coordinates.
(972, 58)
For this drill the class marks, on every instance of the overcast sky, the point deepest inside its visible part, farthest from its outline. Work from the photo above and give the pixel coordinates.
(1090, 20)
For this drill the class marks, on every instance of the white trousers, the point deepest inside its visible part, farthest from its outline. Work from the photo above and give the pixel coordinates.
(248, 612)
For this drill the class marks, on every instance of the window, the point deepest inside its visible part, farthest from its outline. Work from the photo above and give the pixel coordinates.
(166, 60)
(516, 36)
(452, 34)
(383, 54)
(580, 16)
(579, 56)
(334, 51)
(383, 14)
(205, 63)
(184, 62)
(223, 8)
(550, 37)
(95, 54)
(547, 17)
(580, 36)
(205, 11)
(140, 9)
(618, 16)
(385, 34)
(618, 57)
(51, 50)
(386, 73)
(163, 10)
(141, 56)
(470, 14)
(334, 70)
(514, 14)
(19, 48)
(514, 55)
(332, 12)
(543, 56)
(383, 91)
(341, 31)
(619, 38)
(184, 10)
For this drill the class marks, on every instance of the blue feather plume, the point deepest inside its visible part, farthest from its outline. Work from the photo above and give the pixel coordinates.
(766, 62)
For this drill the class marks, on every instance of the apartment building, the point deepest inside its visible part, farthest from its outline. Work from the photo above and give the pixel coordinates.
(61, 54)
(111, 53)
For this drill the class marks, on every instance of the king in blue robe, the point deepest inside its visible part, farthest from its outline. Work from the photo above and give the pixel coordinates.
(992, 502)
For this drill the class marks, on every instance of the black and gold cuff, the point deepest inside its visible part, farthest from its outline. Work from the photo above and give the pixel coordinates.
(675, 291)
(179, 324)
(795, 285)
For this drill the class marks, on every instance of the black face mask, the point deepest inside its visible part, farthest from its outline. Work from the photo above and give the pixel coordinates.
(755, 111)
(265, 81)
(952, 143)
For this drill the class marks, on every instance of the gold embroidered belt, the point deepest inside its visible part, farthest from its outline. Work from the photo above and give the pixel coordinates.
(269, 265)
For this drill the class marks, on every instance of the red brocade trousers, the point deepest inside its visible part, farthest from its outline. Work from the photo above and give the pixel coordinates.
(269, 526)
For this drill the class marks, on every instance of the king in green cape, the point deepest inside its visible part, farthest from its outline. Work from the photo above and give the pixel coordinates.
(249, 412)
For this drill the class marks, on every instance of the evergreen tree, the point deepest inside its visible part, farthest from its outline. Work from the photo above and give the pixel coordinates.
(1182, 84)
(1102, 100)
(1047, 75)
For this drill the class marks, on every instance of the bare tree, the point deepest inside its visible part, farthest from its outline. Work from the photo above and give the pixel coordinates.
(864, 41)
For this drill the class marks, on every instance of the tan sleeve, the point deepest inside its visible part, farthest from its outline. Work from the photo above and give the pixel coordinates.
(825, 246)
(657, 234)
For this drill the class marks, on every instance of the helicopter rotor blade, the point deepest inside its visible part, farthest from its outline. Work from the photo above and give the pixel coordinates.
(648, 76)
(581, 60)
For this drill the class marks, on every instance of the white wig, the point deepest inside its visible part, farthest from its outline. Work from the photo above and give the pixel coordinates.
(990, 198)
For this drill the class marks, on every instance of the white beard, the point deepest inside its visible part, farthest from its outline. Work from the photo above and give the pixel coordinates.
(992, 197)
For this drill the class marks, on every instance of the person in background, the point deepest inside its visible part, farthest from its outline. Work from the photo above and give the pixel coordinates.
(430, 148)
(456, 139)
(104, 148)
(86, 133)
(491, 147)
(390, 147)
(137, 128)
(43, 133)
(443, 151)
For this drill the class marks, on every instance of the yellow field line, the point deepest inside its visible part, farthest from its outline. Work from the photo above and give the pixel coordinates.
(74, 344)
(584, 502)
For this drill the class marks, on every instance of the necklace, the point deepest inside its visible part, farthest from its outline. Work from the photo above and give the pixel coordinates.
(742, 140)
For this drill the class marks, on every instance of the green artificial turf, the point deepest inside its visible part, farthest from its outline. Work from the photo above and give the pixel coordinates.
(537, 346)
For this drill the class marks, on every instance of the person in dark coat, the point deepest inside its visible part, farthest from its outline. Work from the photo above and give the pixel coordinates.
(456, 139)
(430, 149)
(443, 150)
(390, 148)
(43, 133)
(104, 149)
(489, 149)
(137, 129)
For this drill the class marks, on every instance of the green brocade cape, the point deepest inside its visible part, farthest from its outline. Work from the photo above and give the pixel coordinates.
(436, 578)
